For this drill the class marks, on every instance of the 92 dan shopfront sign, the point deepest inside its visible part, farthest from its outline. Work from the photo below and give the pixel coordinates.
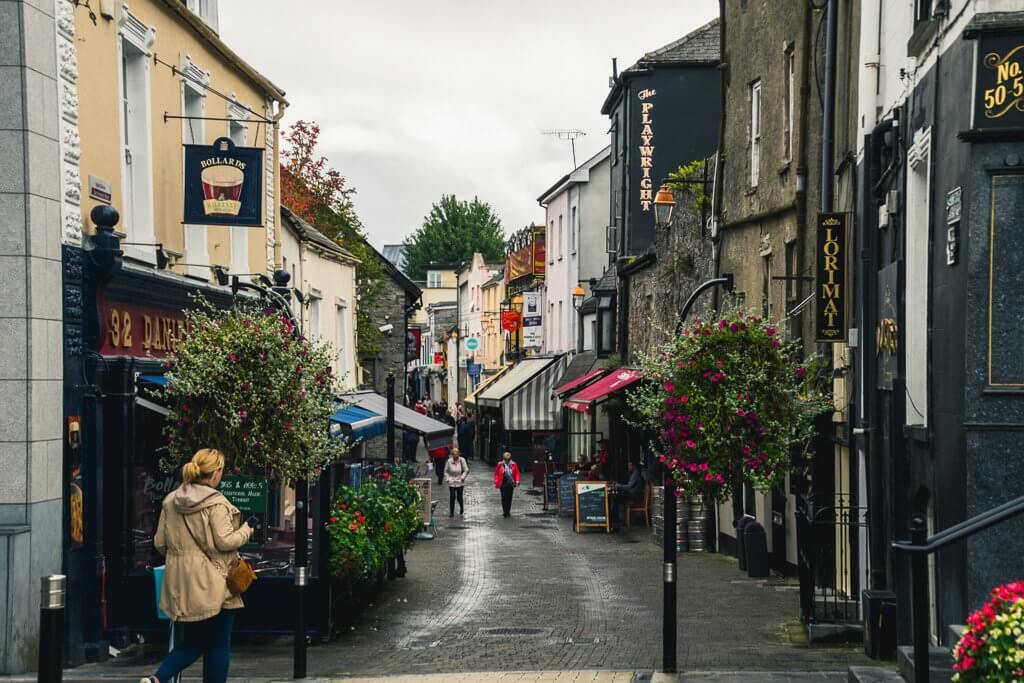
(832, 293)
(223, 184)
(999, 82)
(129, 329)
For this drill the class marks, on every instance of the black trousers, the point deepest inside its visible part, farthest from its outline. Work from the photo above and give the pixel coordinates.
(453, 493)
(439, 469)
(506, 499)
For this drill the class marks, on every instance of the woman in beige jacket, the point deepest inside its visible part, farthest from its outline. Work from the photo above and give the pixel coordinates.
(200, 533)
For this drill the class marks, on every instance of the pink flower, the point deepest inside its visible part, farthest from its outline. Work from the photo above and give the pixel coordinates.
(734, 328)
(722, 325)
(703, 467)
(775, 343)
(232, 357)
(746, 450)
(719, 478)
(288, 426)
(684, 399)
(679, 493)
(298, 369)
(691, 444)
(770, 331)
(708, 477)
(242, 414)
(740, 413)
(661, 459)
(670, 387)
(800, 372)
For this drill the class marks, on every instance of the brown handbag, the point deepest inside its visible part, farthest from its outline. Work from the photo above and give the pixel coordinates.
(240, 574)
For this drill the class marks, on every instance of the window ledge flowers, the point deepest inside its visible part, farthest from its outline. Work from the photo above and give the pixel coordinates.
(992, 647)
(728, 401)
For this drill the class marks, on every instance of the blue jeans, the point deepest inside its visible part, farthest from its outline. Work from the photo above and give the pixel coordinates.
(211, 639)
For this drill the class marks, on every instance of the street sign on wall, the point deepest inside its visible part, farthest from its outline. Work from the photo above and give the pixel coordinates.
(472, 344)
(532, 320)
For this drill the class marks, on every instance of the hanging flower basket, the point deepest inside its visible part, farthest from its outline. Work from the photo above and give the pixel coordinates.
(729, 401)
(244, 382)
(992, 647)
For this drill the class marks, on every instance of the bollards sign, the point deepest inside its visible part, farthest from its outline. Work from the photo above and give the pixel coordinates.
(223, 184)
(830, 303)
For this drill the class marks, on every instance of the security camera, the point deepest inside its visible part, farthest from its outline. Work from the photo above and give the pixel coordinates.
(387, 329)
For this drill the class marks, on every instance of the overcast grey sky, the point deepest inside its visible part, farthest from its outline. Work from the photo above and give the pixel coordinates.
(416, 98)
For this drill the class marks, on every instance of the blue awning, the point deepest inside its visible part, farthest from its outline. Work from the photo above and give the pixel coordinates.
(154, 379)
(358, 423)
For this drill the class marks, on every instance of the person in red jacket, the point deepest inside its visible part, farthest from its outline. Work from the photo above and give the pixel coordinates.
(440, 457)
(506, 479)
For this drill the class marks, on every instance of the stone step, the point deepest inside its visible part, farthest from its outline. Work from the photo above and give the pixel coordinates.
(940, 663)
(874, 674)
(956, 631)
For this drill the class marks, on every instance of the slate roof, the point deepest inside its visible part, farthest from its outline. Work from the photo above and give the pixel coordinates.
(700, 46)
(396, 254)
(306, 232)
(607, 282)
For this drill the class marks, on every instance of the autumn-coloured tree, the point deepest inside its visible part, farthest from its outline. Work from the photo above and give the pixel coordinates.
(320, 194)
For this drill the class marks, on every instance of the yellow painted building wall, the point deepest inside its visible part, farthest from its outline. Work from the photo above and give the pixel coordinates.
(101, 136)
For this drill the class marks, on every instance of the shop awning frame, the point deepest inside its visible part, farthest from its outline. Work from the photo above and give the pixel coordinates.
(358, 423)
(616, 380)
(521, 373)
(486, 383)
(436, 434)
(578, 383)
(531, 407)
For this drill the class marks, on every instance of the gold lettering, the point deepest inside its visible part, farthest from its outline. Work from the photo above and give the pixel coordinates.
(147, 332)
(831, 263)
(646, 107)
(126, 335)
(646, 171)
(830, 291)
(646, 151)
(647, 139)
(646, 194)
(647, 130)
(646, 162)
(646, 206)
(645, 183)
(115, 327)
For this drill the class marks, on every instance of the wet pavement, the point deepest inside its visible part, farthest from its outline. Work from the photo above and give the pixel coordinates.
(526, 595)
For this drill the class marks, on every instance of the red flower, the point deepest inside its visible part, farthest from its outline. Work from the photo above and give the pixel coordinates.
(332, 520)
(343, 506)
(387, 527)
(353, 527)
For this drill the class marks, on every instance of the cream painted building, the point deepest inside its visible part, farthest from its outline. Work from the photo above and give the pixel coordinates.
(493, 292)
(325, 273)
(472, 276)
(159, 77)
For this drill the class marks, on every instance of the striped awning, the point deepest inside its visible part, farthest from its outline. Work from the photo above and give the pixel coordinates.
(471, 399)
(531, 406)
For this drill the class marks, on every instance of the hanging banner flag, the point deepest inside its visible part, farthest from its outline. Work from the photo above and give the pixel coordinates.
(531, 320)
(510, 321)
(223, 184)
(830, 303)
(413, 338)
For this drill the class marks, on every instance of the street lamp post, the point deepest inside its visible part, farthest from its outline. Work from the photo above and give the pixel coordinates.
(670, 557)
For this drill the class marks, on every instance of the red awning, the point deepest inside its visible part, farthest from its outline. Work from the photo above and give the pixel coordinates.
(616, 380)
(578, 382)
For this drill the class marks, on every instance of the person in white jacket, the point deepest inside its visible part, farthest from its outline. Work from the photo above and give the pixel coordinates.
(455, 472)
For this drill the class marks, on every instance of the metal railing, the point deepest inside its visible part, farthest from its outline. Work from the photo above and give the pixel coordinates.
(919, 547)
(832, 595)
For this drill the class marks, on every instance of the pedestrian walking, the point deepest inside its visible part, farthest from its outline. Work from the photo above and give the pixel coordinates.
(409, 443)
(467, 435)
(455, 472)
(200, 533)
(506, 479)
(439, 456)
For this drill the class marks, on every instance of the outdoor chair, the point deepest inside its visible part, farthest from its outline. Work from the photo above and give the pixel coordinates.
(643, 505)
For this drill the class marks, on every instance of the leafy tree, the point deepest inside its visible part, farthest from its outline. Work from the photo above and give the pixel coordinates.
(321, 195)
(451, 233)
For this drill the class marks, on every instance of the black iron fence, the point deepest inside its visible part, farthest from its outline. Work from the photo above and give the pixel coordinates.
(830, 538)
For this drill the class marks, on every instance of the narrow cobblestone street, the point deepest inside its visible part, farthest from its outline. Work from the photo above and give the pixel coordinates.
(528, 594)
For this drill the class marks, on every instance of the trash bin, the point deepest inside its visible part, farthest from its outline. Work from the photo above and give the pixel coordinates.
(755, 541)
(741, 526)
(539, 469)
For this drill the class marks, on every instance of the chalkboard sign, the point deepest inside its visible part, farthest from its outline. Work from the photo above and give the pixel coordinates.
(566, 499)
(592, 505)
(551, 488)
(250, 497)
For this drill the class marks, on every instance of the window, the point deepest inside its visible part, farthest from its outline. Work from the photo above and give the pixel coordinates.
(206, 10)
(573, 227)
(551, 236)
(239, 236)
(433, 279)
(755, 131)
(342, 343)
(560, 245)
(922, 10)
(314, 315)
(136, 169)
(766, 287)
(561, 329)
(605, 326)
(196, 247)
(789, 80)
(792, 281)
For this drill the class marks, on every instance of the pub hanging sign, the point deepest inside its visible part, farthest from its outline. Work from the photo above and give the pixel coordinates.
(999, 78)
(830, 303)
(223, 184)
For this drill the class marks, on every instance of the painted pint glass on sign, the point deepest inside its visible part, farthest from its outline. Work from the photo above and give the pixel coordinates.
(222, 189)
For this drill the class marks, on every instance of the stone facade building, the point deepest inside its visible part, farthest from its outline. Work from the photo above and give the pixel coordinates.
(661, 280)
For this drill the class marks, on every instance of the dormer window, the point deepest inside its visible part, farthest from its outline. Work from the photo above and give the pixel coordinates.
(205, 10)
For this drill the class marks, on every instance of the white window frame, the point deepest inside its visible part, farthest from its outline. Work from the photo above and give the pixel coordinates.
(755, 132)
(194, 83)
(433, 279)
(137, 37)
(207, 11)
(238, 236)
(574, 222)
(918, 219)
(561, 246)
(341, 329)
(314, 324)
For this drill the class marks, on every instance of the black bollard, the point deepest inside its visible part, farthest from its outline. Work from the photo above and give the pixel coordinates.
(51, 629)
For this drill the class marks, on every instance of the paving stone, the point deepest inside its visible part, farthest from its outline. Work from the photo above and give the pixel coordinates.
(579, 606)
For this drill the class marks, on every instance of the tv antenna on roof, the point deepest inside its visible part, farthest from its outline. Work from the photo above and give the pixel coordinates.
(567, 134)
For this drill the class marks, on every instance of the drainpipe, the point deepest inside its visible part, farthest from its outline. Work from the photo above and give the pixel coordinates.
(828, 113)
(716, 190)
(282, 106)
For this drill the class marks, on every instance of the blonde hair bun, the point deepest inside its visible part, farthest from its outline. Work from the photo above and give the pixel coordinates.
(205, 462)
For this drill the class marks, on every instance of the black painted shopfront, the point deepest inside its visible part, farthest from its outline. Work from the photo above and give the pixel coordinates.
(121, 320)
